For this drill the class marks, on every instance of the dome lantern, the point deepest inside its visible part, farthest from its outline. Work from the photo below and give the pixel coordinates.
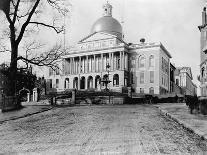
(107, 23)
(107, 9)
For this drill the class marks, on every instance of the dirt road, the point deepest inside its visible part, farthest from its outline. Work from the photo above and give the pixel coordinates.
(107, 130)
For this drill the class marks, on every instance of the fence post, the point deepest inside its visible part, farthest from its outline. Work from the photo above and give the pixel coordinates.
(28, 97)
(35, 95)
(129, 92)
(73, 96)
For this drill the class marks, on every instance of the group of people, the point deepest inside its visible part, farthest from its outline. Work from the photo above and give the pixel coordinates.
(192, 102)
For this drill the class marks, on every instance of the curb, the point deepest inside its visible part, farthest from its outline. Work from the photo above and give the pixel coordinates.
(201, 134)
(26, 115)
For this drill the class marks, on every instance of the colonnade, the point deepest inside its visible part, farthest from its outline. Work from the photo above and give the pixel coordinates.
(91, 81)
(96, 63)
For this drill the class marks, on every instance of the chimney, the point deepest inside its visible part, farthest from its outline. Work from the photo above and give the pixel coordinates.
(204, 16)
(142, 40)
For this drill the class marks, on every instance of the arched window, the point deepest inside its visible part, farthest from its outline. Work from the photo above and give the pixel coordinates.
(151, 90)
(67, 83)
(142, 62)
(75, 83)
(97, 81)
(202, 72)
(90, 82)
(82, 82)
(116, 80)
(151, 61)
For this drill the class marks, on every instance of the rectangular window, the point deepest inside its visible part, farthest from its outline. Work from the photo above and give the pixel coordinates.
(50, 71)
(132, 77)
(49, 81)
(142, 77)
(57, 83)
(57, 71)
(205, 35)
(177, 82)
(151, 76)
(142, 90)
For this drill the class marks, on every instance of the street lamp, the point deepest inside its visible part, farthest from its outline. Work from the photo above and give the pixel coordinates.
(106, 81)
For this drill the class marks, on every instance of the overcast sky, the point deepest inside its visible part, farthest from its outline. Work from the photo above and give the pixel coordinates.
(174, 23)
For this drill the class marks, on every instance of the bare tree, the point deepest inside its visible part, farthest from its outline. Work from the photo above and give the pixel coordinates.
(23, 17)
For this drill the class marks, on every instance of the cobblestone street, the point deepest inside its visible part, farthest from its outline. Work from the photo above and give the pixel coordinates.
(118, 129)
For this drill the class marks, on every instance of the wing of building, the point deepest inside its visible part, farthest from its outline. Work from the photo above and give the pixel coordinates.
(203, 54)
(103, 54)
(183, 78)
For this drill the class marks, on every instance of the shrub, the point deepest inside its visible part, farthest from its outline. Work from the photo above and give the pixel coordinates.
(203, 106)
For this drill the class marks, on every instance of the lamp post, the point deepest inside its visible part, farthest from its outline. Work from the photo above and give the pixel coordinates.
(106, 81)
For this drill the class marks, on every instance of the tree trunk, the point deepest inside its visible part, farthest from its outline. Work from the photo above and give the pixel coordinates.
(13, 67)
(13, 71)
(13, 63)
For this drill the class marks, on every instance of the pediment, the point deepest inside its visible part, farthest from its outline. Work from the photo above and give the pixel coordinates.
(97, 36)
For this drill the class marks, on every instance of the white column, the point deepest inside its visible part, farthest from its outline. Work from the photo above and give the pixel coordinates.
(79, 70)
(73, 65)
(94, 57)
(110, 61)
(104, 63)
(120, 56)
(86, 82)
(94, 82)
(98, 65)
(112, 64)
(70, 65)
(91, 64)
(86, 63)
(123, 60)
(83, 63)
(79, 83)
(126, 61)
(76, 66)
(101, 62)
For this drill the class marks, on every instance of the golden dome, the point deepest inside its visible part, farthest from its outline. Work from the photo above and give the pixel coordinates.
(107, 24)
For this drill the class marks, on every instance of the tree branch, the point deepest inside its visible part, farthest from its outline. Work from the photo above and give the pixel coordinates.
(47, 59)
(27, 22)
(46, 25)
(15, 11)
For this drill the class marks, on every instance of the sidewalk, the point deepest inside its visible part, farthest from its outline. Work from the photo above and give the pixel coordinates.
(179, 112)
(24, 112)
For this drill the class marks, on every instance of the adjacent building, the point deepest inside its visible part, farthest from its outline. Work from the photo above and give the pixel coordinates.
(183, 78)
(174, 87)
(104, 54)
(203, 54)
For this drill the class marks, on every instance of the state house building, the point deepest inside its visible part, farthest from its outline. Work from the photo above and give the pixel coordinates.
(145, 67)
